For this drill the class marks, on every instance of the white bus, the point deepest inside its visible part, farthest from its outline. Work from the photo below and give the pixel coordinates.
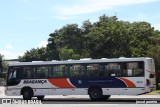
(98, 78)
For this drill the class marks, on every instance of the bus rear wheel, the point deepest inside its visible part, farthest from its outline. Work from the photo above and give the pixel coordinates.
(27, 94)
(95, 94)
(40, 97)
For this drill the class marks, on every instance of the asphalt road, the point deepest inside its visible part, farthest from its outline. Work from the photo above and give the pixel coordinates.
(110, 101)
(82, 100)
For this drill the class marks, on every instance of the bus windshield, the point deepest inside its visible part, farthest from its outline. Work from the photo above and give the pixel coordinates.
(13, 76)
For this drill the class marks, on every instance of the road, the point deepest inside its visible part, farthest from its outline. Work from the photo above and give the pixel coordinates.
(84, 101)
(152, 99)
(88, 101)
(110, 101)
(79, 100)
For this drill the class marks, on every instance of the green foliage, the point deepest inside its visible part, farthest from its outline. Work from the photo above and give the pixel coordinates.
(3, 64)
(66, 54)
(108, 37)
(154, 92)
(154, 52)
(68, 37)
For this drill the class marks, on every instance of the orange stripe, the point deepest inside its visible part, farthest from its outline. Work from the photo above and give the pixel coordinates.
(60, 82)
(129, 83)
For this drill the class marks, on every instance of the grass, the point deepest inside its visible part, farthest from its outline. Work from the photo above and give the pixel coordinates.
(154, 92)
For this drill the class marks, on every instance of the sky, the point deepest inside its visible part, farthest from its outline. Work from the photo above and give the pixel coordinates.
(26, 24)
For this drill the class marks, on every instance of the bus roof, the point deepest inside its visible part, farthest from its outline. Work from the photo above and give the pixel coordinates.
(88, 60)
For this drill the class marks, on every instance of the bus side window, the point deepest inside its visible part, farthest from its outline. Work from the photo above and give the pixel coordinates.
(140, 69)
(42, 72)
(135, 69)
(105, 69)
(76, 71)
(93, 70)
(28, 72)
(60, 71)
(102, 71)
(124, 69)
(114, 69)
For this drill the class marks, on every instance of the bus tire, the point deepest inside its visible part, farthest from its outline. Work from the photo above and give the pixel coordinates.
(95, 94)
(40, 97)
(27, 94)
(105, 97)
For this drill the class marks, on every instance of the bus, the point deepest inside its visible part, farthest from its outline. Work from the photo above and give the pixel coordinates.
(98, 78)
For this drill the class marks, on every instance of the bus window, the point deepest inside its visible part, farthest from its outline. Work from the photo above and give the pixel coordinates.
(105, 68)
(76, 71)
(42, 72)
(113, 69)
(134, 69)
(13, 76)
(60, 71)
(29, 72)
(93, 70)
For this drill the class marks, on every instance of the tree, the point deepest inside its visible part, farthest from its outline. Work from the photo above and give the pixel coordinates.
(140, 33)
(68, 37)
(108, 38)
(66, 54)
(1, 63)
(38, 54)
(3, 67)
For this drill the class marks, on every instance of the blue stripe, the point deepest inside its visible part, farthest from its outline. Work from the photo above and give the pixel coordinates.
(108, 82)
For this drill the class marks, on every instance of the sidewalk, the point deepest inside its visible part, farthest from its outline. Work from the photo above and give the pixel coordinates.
(2, 91)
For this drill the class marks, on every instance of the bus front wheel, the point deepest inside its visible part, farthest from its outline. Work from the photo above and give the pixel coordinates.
(27, 94)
